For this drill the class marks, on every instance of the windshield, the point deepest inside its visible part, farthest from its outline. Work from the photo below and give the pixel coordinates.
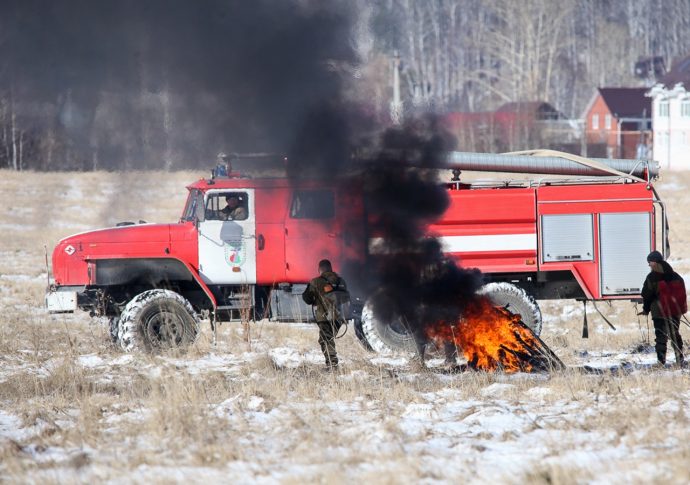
(194, 208)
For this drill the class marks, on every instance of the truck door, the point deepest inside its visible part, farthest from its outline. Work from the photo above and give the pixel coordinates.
(227, 249)
(312, 233)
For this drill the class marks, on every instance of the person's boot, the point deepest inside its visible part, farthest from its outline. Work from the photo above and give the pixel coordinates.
(331, 364)
(680, 361)
(661, 356)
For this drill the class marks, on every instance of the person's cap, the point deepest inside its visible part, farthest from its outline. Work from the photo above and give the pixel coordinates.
(655, 257)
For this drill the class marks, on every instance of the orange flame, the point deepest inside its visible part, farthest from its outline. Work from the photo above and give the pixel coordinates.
(491, 338)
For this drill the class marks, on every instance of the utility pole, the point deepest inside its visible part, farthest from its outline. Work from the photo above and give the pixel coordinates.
(396, 103)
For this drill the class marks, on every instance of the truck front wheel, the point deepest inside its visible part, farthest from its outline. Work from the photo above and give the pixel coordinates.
(156, 320)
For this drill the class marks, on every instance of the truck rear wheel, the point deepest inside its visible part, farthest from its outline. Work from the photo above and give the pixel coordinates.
(156, 320)
(516, 301)
(395, 336)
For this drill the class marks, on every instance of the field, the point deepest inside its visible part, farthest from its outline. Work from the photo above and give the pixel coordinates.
(73, 408)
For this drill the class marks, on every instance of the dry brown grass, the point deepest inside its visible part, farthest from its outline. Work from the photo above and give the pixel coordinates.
(233, 411)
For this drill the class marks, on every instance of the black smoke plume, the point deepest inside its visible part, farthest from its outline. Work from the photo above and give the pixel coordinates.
(170, 83)
(414, 281)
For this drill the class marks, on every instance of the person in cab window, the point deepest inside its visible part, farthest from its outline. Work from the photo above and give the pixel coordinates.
(233, 211)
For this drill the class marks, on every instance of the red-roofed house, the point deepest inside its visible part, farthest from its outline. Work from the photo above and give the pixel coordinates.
(513, 126)
(621, 119)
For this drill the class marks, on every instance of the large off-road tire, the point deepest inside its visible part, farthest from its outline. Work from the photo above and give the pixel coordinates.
(359, 333)
(515, 300)
(385, 337)
(156, 320)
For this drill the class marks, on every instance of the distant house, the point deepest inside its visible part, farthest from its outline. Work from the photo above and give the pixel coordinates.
(671, 117)
(619, 120)
(535, 110)
(513, 126)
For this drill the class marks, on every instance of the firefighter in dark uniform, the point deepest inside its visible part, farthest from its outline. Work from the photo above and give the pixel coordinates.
(666, 326)
(315, 294)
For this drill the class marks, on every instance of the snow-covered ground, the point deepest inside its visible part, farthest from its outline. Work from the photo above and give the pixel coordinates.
(73, 408)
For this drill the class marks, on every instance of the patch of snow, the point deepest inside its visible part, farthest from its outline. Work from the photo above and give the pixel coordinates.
(10, 426)
(497, 389)
(539, 393)
(90, 360)
(255, 403)
(391, 361)
(129, 416)
(420, 411)
(668, 407)
(123, 359)
(285, 357)
(569, 311)
(226, 407)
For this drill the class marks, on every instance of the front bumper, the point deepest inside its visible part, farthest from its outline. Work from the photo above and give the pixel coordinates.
(62, 300)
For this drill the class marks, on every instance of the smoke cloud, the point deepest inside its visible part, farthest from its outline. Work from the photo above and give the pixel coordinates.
(169, 83)
(415, 281)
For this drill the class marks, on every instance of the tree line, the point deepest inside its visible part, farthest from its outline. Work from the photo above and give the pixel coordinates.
(168, 84)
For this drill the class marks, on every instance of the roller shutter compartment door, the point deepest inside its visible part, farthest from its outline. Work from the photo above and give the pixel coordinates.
(625, 242)
(567, 237)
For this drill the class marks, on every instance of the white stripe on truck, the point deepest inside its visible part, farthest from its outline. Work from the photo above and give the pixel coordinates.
(494, 242)
(474, 244)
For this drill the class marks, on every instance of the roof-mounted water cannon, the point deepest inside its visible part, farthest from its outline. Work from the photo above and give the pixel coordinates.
(223, 166)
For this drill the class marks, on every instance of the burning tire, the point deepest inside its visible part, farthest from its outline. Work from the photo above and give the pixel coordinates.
(384, 337)
(156, 320)
(515, 300)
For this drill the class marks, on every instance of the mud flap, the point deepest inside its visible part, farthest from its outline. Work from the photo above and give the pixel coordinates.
(585, 328)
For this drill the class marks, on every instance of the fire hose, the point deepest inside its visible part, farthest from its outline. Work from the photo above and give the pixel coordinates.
(585, 327)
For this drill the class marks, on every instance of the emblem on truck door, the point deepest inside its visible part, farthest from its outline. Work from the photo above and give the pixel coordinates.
(70, 250)
(234, 252)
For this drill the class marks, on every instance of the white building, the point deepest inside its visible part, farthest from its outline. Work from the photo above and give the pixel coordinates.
(671, 118)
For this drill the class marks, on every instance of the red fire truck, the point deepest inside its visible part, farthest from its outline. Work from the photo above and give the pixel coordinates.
(583, 235)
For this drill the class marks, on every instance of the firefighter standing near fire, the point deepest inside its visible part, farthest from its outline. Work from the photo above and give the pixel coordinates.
(663, 294)
(328, 293)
